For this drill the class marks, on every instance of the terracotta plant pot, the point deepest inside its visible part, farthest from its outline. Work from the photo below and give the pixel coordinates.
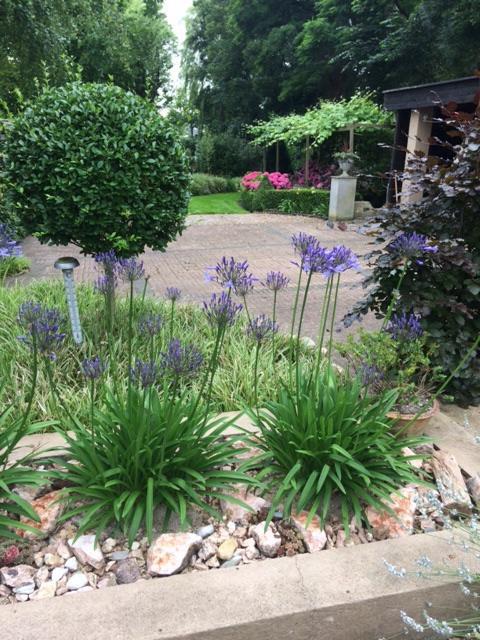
(402, 419)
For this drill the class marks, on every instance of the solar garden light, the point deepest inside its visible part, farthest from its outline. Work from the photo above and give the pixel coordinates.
(66, 266)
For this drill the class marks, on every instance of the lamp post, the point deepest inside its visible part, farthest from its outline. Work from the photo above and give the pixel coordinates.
(66, 266)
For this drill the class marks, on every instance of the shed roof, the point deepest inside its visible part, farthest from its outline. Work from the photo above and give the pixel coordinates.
(460, 90)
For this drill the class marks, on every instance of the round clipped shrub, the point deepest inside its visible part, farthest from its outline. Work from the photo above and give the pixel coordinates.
(93, 165)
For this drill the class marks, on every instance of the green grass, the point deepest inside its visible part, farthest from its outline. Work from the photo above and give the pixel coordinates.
(13, 266)
(216, 203)
(233, 387)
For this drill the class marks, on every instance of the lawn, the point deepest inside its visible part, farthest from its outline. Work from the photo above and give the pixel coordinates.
(216, 203)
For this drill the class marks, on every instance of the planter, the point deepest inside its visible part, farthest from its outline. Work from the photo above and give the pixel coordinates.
(418, 425)
(345, 165)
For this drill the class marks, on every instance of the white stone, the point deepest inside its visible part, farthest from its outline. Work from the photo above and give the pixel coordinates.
(109, 545)
(58, 573)
(313, 536)
(53, 560)
(47, 590)
(207, 550)
(268, 541)
(63, 551)
(87, 552)
(77, 581)
(71, 564)
(25, 589)
(205, 531)
(171, 552)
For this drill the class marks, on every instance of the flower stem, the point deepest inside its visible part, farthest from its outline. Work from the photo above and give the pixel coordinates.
(172, 315)
(292, 328)
(244, 298)
(332, 323)
(274, 318)
(395, 294)
(299, 330)
(130, 337)
(255, 376)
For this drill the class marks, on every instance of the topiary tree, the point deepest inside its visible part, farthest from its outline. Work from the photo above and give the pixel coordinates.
(93, 165)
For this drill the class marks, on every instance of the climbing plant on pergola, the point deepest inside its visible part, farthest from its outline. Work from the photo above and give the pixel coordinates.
(359, 113)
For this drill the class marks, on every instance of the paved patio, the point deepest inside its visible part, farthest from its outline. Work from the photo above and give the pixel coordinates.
(262, 239)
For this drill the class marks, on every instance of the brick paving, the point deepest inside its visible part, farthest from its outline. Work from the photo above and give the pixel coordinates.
(262, 239)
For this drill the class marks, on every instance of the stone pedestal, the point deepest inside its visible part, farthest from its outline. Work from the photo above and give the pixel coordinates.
(342, 197)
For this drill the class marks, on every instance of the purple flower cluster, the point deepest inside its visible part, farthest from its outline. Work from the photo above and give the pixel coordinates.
(316, 259)
(411, 245)
(181, 361)
(9, 247)
(108, 259)
(43, 327)
(107, 283)
(231, 274)
(130, 269)
(405, 327)
(93, 368)
(144, 373)
(173, 294)
(262, 327)
(150, 324)
(276, 281)
(370, 375)
(221, 311)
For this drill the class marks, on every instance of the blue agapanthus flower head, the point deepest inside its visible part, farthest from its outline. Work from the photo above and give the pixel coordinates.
(173, 294)
(107, 258)
(9, 247)
(130, 269)
(93, 368)
(276, 281)
(221, 311)
(43, 328)
(341, 259)
(405, 326)
(370, 375)
(181, 361)
(412, 246)
(231, 274)
(261, 328)
(150, 324)
(303, 243)
(144, 373)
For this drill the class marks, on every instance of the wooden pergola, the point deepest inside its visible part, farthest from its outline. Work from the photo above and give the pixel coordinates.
(416, 110)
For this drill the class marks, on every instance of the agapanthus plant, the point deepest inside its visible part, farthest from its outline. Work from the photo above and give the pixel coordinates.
(260, 329)
(43, 328)
(9, 246)
(181, 361)
(172, 294)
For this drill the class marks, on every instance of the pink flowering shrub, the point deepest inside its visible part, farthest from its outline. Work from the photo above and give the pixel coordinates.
(253, 180)
(318, 176)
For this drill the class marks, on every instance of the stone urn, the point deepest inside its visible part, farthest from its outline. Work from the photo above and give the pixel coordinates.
(346, 165)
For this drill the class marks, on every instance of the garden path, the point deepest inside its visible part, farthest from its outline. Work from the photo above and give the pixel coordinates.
(262, 239)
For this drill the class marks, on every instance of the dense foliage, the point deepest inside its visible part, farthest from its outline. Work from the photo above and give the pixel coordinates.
(45, 42)
(323, 441)
(305, 200)
(203, 184)
(444, 289)
(225, 154)
(244, 61)
(98, 167)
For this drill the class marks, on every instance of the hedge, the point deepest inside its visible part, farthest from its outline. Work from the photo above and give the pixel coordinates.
(299, 201)
(204, 184)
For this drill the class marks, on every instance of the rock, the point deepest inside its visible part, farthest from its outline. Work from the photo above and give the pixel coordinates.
(25, 589)
(427, 525)
(41, 576)
(340, 541)
(71, 564)
(63, 551)
(473, 485)
(171, 552)
(407, 452)
(213, 562)
(4, 591)
(269, 541)
(199, 566)
(119, 555)
(76, 581)
(384, 525)
(47, 590)
(58, 573)
(109, 580)
(314, 535)
(127, 571)
(49, 509)
(205, 531)
(207, 550)
(17, 576)
(135, 545)
(38, 559)
(109, 545)
(52, 560)
(233, 562)
(92, 579)
(308, 343)
(450, 482)
(240, 533)
(231, 526)
(22, 597)
(227, 549)
(87, 552)
(241, 514)
(252, 553)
